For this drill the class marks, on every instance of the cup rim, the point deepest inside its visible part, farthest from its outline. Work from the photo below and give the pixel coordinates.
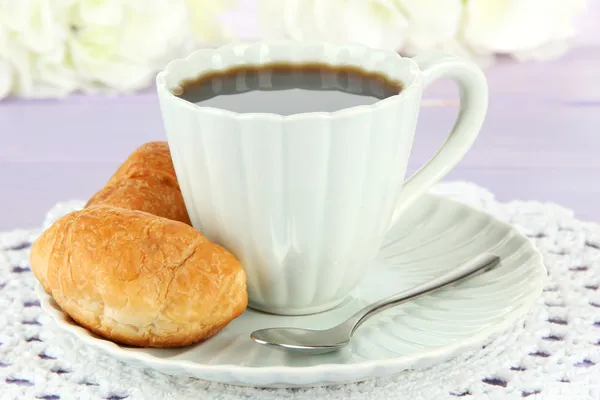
(408, 89)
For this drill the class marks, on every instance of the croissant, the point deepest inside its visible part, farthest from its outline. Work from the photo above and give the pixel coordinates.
(134, 276)
(146, 181)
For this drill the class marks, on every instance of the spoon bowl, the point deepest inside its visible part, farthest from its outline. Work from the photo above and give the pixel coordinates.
(302, 340)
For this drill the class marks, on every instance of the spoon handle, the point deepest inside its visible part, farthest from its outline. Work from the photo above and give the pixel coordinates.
(485, 261)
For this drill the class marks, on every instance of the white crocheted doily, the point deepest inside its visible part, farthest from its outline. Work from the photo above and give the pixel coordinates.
(553, 353)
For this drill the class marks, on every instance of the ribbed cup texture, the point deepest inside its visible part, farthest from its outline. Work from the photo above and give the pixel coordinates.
(303, 201)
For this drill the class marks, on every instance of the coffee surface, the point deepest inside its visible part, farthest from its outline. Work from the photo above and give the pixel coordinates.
(287, 89)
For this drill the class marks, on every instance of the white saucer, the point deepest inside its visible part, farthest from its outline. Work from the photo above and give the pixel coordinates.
(435, 235)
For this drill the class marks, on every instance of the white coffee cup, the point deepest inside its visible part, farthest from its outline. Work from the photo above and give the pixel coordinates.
(304, 201)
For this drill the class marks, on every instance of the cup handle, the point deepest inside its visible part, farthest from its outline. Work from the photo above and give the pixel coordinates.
(473, 106)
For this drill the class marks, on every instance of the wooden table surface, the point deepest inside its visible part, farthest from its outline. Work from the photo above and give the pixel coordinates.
(541, 140)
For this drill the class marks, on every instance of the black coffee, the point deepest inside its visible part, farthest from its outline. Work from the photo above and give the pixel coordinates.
(288, 88)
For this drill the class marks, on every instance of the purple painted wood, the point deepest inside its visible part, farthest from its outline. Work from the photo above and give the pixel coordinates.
(540, 141)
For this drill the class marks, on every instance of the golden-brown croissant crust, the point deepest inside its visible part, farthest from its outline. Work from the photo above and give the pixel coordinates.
(146, 181)
(130, 268)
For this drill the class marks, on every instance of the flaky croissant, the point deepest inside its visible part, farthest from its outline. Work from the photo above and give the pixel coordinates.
(146, 181)
(137, 277)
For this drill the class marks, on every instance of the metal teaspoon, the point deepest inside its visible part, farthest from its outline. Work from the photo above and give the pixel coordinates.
(324, 341)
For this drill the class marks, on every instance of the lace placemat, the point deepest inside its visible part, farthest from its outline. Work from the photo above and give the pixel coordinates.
(552, 353)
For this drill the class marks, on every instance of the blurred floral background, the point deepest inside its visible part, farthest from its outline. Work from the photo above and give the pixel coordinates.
(52, 48)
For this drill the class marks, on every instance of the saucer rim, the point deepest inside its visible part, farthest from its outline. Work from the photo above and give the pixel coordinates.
(299, 375)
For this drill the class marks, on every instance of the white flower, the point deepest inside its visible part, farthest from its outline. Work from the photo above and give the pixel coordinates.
(205, 24)
(432, 24)
(374, 23)
(120, 44)
(6, 69)
(476, 29)
(524, 28)
(30, 28)
(6, 78)
(404, 25)
(436, 25)
(51, 48)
